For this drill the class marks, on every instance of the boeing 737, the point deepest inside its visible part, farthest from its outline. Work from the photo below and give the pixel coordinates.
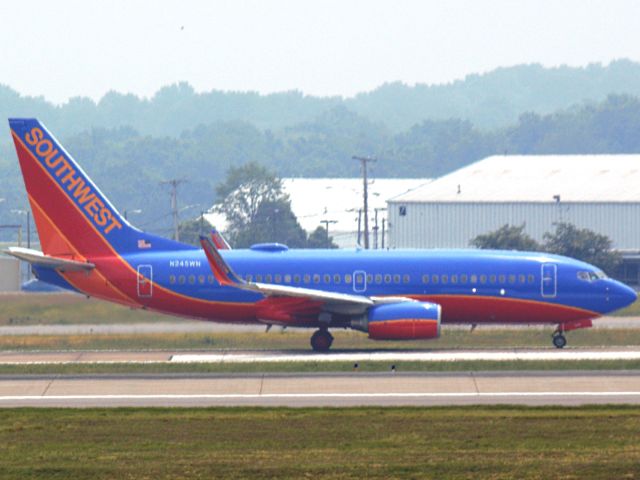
(88, 247)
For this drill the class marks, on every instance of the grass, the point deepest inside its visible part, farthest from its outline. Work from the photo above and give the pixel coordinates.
(68, 309)
(251, 443)
(311, 367)
(299, 340)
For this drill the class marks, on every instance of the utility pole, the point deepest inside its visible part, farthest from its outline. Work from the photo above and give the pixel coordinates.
(383, 222)
(359, 225)
(376, 228)
(363, 161)
(173, 183)
(28, 229)
(326, 227)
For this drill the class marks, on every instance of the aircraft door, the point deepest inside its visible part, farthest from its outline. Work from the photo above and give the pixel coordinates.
(145, 281)
(549, 280)
(359, 281)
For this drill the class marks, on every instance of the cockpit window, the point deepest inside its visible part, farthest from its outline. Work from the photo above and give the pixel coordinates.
(592, 276)
(584, 276)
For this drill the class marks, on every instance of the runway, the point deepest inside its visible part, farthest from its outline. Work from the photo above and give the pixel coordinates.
(326, 390)
(297, 356)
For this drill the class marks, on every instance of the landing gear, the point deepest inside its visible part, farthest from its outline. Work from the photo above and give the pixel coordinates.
(321, 340)
(559, 340)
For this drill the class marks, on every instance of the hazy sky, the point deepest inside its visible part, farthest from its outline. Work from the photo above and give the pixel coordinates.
(62, 48)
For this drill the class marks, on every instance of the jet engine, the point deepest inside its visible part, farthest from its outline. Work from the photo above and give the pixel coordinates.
(401, 321)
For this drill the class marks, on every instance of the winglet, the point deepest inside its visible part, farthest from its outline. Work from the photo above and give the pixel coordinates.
(219, 241)
(221, 270)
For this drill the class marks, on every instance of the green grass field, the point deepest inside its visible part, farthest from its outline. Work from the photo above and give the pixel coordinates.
(356, 443)
(293, 339)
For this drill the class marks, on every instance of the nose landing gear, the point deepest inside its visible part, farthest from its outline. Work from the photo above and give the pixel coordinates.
(321, 340)
(559, 340)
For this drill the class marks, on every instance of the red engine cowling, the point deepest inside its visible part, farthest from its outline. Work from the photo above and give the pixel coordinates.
(403, 321)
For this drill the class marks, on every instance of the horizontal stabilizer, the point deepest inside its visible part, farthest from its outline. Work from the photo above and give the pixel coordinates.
(38, 258)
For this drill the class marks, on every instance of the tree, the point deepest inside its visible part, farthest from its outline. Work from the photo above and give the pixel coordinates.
(582, 244)
(190, 230)
(246, 193)
(273, 222)
(507, 237)
(319, 239)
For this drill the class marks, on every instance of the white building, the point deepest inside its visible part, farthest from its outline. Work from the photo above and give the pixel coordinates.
(338, 200)
(598, 192)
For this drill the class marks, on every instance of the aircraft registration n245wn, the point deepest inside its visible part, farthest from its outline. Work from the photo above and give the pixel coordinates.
(87, 246)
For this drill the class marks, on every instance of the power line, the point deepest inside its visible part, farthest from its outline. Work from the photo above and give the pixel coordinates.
(326, 227)
(363, 162)
(173, 183)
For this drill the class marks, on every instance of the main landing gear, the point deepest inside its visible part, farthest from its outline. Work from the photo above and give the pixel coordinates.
(321, 340)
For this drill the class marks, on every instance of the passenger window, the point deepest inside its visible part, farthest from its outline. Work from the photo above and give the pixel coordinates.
(172, 279)
(378, 278)
(307, 278)
(502, 279)
(182, 279)
(425, 278)
(287, 278)
(327, 278)
(406, 279)
(258, 278)
(268, 278)
(454, 278)
(278, 278)
(337, 278)
(444, 278)
(474, 279)
(396, 278)
(249, 277)
(316, 278)
(464, 278)
(210, 279)
(531, 278)
(387, 278)
(348, 278)
(369, 278)
(201, 279)
(512, 279)
(521, 278)
(192, 279)
(492, 279)
(434, 278)
(296, 278)
(483, 279)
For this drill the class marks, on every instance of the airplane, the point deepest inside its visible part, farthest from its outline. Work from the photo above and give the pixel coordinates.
(88, 247)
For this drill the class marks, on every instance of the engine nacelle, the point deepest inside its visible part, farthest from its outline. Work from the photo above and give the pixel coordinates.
(401, 321)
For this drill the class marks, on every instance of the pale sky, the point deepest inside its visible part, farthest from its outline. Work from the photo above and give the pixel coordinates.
(65, 48)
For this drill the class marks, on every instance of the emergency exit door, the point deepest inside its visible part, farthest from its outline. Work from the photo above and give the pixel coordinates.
(145, 281)
(549, 280)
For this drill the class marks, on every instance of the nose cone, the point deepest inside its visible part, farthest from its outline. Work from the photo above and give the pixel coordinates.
(622, 295)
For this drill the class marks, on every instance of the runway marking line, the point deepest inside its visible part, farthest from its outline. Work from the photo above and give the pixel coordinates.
(315, 395)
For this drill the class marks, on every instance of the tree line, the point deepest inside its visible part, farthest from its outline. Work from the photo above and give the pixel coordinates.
(566, 239)
(130, 166)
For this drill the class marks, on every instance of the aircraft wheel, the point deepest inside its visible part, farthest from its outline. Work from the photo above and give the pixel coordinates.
(321, 340)
(559, 341)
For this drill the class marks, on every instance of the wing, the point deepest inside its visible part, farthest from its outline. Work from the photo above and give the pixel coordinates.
(328, 301)
(38, 258)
